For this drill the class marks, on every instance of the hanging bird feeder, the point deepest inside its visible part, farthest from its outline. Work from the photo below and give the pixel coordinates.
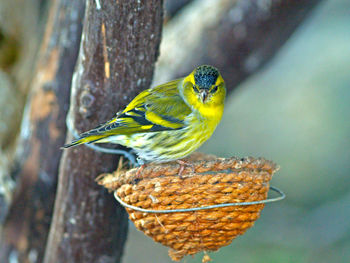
(212, 202)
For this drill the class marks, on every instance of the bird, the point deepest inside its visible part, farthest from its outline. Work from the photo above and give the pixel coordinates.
(167, 122)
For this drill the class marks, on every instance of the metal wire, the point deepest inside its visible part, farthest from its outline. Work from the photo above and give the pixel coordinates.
(270, 200)
(126, 154)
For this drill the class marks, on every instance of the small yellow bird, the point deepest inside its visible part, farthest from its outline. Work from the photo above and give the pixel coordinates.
(167, 122)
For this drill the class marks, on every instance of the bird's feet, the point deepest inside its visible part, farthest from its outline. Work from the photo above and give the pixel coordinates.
(139, 170)
(182, 166)
(142, 166)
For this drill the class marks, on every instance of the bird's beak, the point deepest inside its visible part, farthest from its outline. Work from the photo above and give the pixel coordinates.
(203, 94)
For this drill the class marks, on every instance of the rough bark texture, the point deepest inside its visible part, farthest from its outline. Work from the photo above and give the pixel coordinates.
(237, 36)
(43, 132)
(119, 48)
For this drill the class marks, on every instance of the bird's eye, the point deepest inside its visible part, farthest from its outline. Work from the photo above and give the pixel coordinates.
(195, 88)
(214, 89)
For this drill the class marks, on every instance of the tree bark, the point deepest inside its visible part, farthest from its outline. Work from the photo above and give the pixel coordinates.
(118, 50)
(237, 36)
(43, 132)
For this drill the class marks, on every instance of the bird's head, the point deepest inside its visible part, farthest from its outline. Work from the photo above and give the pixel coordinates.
(204, 87)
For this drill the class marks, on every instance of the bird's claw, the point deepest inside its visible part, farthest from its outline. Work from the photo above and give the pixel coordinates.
(182, 166)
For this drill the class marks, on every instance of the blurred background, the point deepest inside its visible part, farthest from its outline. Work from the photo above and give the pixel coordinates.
(291, 106)
(296, 112)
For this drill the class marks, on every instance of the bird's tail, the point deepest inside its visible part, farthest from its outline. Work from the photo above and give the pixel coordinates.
(83, 140)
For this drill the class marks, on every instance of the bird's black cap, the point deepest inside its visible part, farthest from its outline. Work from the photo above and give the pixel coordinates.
(205, 76)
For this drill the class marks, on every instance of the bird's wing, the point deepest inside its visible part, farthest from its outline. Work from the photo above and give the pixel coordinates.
(157, 109)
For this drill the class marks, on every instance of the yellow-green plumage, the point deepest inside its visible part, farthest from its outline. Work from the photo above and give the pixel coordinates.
(167, 122)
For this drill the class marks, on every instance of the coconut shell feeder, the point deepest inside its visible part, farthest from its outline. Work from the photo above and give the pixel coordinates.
(213, 201)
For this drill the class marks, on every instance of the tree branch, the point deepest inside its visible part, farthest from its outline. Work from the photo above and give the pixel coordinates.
(116, 60)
